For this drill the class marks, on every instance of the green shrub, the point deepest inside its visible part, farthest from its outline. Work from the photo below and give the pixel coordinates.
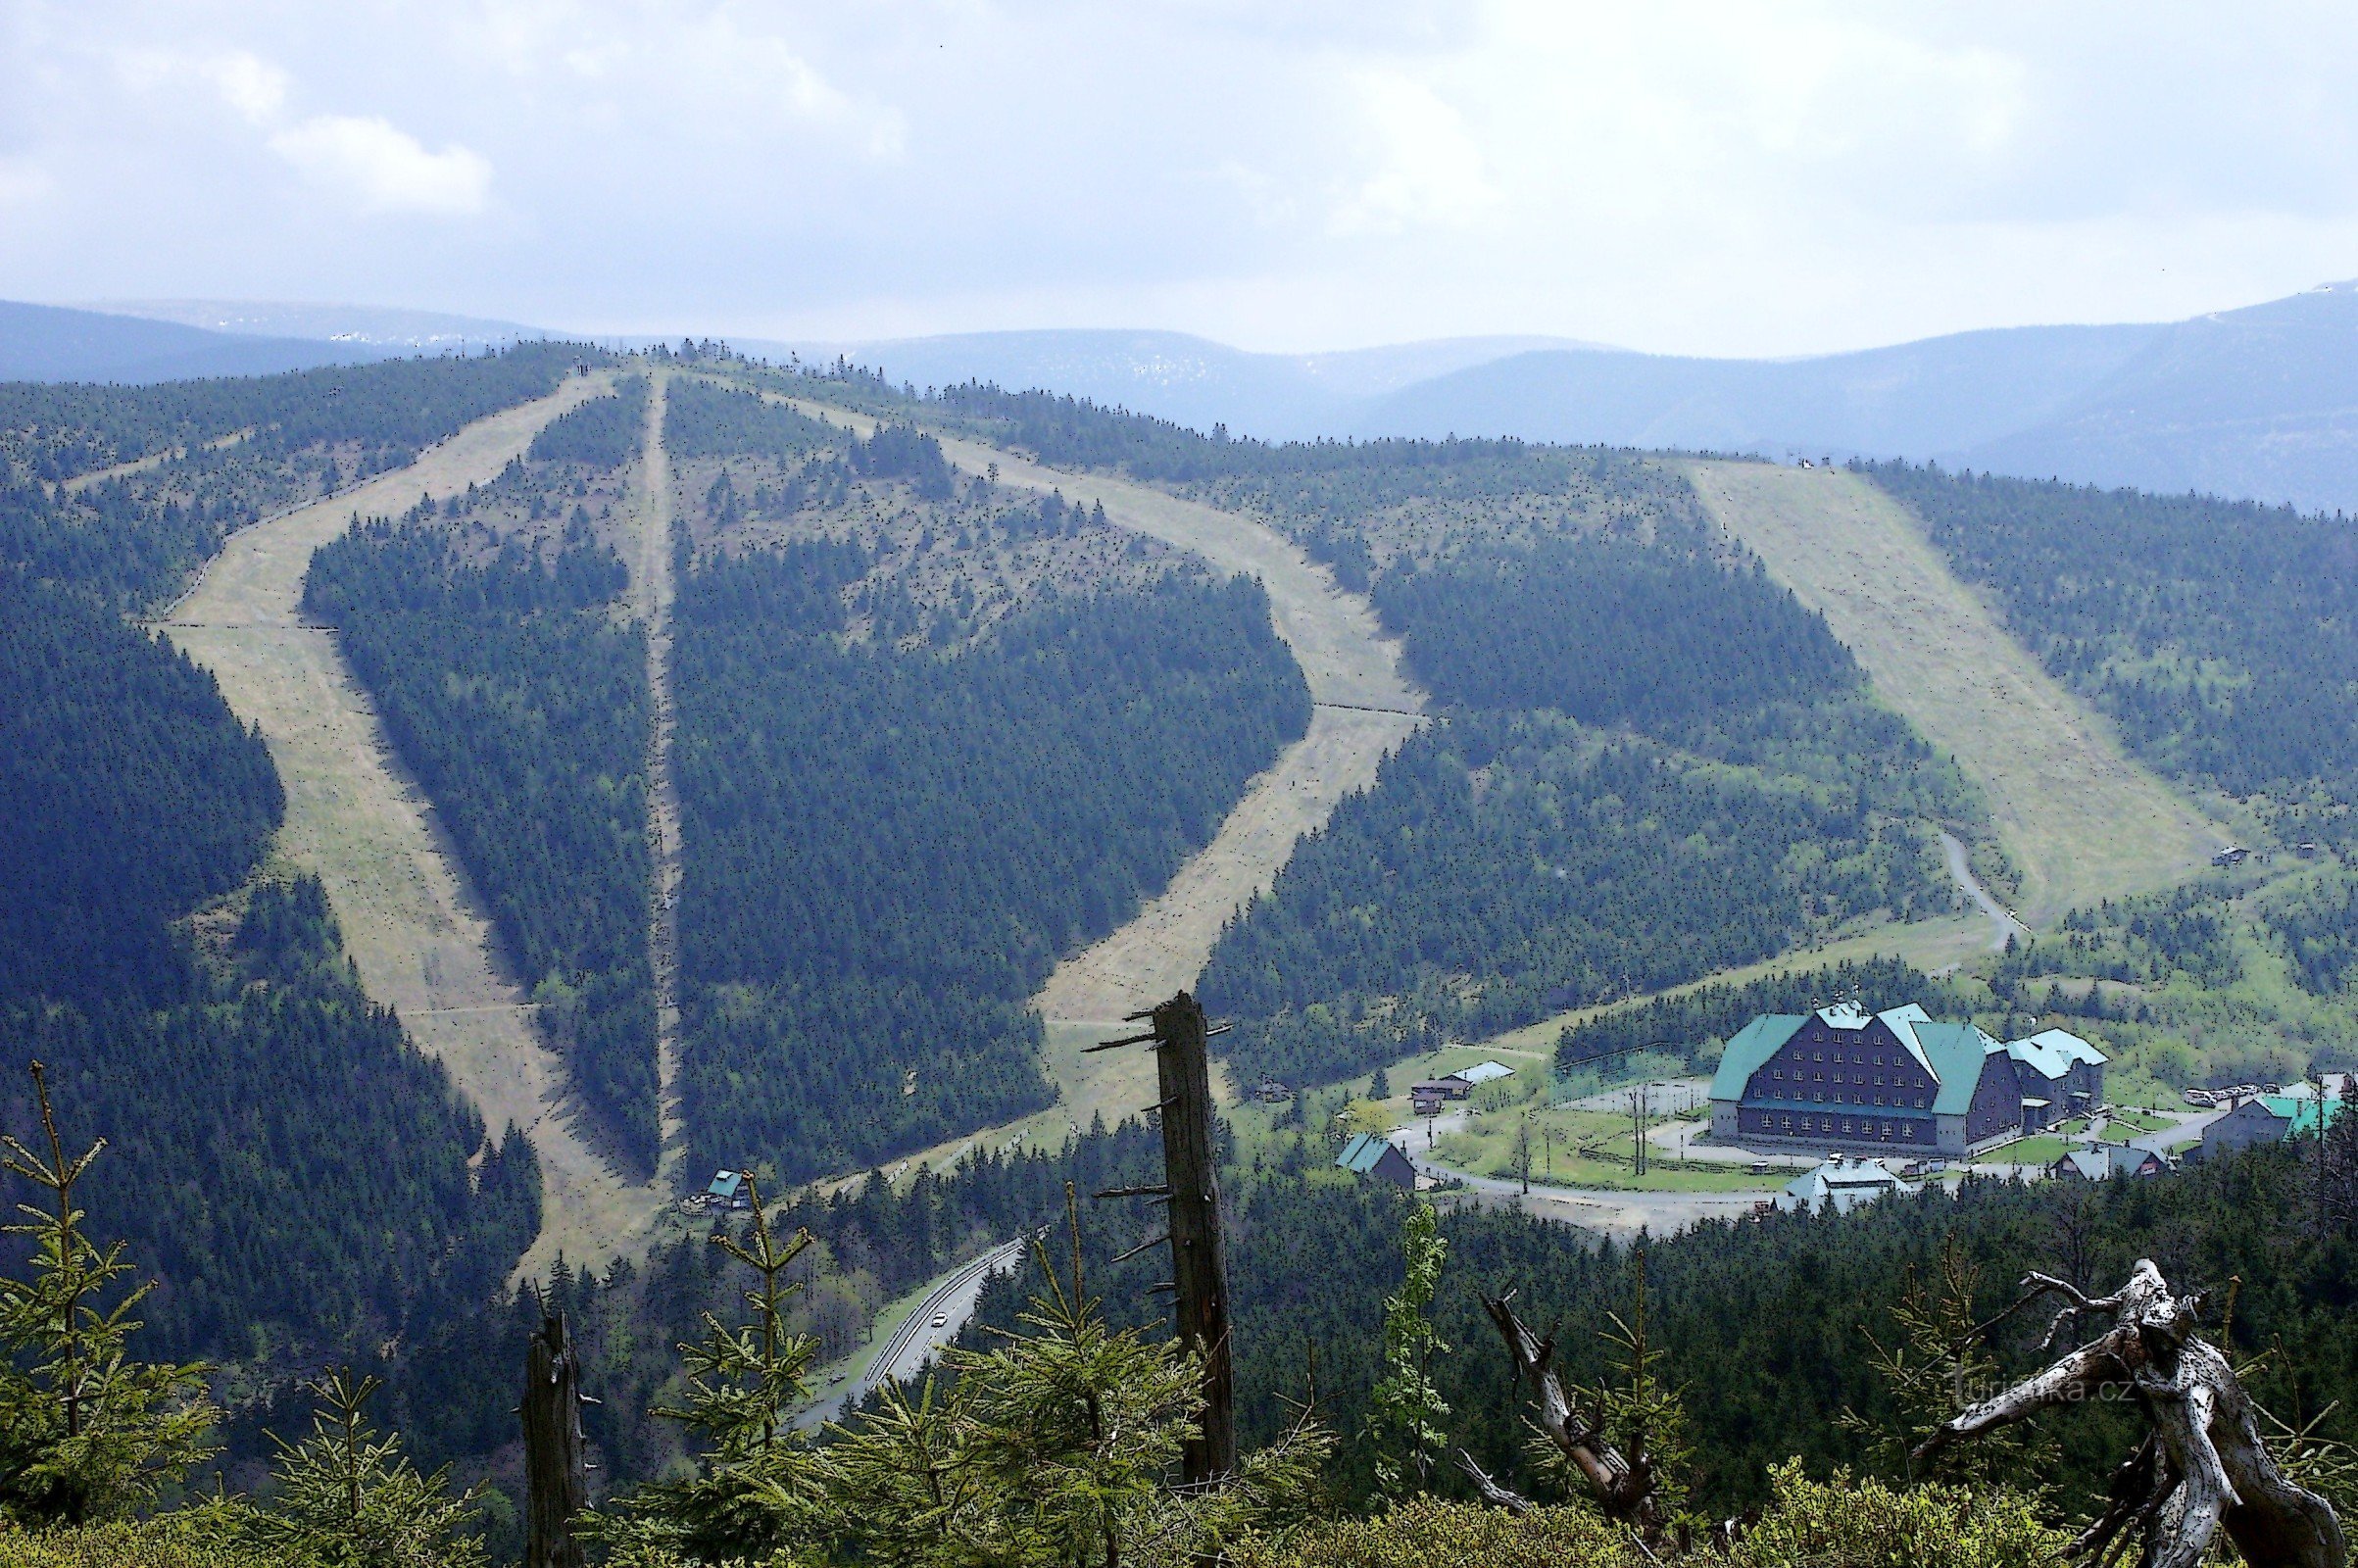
(1845, 1524)
(1810, 1524)
(1425, 1532)
(157, 1544)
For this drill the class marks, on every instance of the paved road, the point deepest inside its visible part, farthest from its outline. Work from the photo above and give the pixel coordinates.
(916, 1340)
(2001, 920)
(1615, 1213)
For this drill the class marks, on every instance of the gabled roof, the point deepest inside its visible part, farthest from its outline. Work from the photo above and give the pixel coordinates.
(2101, 1161)
(2054, 1052)
(1361, 1155)
(1752, 1046)
(2302, 1114)
(725, 1183)
(1484, 1072)
(1954, 1052)
(1843, 1184)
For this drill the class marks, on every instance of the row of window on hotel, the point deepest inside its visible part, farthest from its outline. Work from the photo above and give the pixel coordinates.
(1779, 1073)
(1906, 1131)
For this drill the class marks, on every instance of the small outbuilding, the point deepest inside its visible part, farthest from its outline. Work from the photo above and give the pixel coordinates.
(2098, 1161)
(1841, 1184)
(728, 1190)
(2271, 1119)
(1371, 1154)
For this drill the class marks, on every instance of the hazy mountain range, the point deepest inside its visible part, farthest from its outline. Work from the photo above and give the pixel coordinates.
(2260, 402)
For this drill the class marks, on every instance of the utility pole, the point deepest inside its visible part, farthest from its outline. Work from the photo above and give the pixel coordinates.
(556, 1487)
(1199, 1282)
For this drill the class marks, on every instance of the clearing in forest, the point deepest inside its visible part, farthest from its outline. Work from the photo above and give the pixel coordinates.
(1366, 706)
(2080, 818)
(411, 920)
(652, 592)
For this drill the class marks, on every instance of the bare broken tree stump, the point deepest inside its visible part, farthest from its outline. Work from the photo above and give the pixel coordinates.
(556, 1487)
(2204, 1463)
(1623, 1488)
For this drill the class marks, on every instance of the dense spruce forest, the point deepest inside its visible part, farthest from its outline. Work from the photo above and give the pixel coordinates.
(2218, 634)
(894, 846)
(520, 701)
(307, 1180)
(1768, 1327)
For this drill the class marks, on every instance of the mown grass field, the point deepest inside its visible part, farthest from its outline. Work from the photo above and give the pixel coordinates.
(2082, 819)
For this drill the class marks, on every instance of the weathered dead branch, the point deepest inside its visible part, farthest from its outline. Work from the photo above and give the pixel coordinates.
(1623, 1490)
(2202, 1465)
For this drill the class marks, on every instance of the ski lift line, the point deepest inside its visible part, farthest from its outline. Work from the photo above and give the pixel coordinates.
(1620, 1050)
(1364, 708)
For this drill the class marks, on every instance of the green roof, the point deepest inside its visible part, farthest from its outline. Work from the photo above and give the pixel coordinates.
(1360, 1154)
(1752, 1046)
(1954, 1052)
(2302, 1112)
(1950, 1051)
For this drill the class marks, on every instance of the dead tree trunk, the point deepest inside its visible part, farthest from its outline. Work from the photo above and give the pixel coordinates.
(2202, 1465)
(1199, 1282)
(1623, 1490)
(1199, 1267)
(556, 1487)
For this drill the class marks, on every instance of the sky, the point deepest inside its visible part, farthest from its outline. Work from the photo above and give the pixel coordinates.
(1677, 175)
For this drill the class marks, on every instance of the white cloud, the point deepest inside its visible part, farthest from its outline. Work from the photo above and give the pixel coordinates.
(1430, 169)
(367, 159)
(382, 168)
(248, 84)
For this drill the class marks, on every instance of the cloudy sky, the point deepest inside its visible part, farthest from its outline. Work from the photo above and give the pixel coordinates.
(1700, 177)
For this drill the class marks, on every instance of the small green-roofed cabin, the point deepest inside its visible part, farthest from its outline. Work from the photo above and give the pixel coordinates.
(1370, 1155)
(1899, 1080)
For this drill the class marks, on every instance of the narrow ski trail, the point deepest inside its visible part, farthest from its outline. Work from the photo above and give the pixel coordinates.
(413, 922)
(653, 592)
(2082, 817)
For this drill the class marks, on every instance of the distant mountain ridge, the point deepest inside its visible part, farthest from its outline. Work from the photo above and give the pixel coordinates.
(373, 325)
(1176, 375)
(52, 343)
(2258, 403)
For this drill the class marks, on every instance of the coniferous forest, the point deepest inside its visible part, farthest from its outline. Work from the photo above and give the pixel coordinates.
(2218, 634)
(934, 734)
(310, 1178)
(1654, 765)
(520, 703)
(896, 846)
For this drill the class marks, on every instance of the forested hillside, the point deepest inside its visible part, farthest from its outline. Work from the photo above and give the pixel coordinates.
(520, 703)
(2220, 635)
(130, 794)
(232, 450)
(893, 846)
(284, 1161)
(1656, 764)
